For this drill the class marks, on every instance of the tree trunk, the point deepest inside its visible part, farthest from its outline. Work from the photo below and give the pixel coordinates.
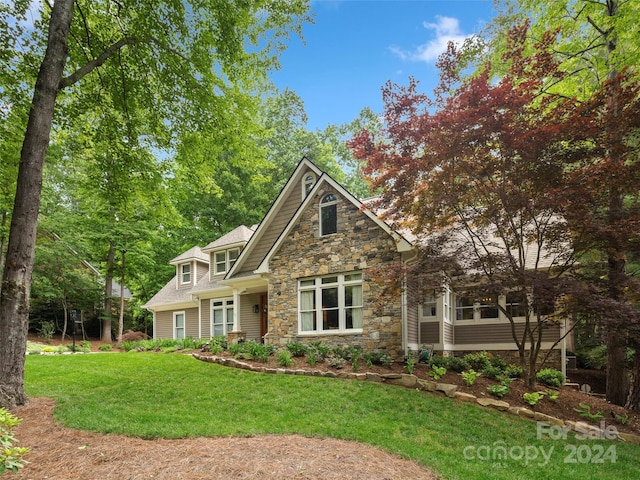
(633, 400)
(65, 312)
(16, 280)
(121, 313)
(3, 241)
(108, 295)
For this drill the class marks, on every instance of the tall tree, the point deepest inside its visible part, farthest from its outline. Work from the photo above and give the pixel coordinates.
(481, 181)
(187, 56)
(597, 40)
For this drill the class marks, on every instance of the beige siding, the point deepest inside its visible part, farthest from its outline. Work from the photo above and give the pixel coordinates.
(448, 332)
(205, 317)
(412, 316)
(287, 209)
(249, 321)
(164, 325)
(191, 322)
(496, 333)
(429, 332)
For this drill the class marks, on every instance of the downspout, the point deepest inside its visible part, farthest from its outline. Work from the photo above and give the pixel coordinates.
(404, 314)
(154, 324)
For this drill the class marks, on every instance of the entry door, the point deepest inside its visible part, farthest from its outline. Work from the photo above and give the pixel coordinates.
(264, 315)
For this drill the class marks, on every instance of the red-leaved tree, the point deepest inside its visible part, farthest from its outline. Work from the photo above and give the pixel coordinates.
(480, 175)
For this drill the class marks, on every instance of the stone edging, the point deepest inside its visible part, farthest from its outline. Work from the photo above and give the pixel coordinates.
(451, 391)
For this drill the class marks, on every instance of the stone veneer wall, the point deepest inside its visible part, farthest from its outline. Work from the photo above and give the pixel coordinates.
(359, 245)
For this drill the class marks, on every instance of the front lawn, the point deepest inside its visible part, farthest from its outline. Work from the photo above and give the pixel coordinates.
(173, 396)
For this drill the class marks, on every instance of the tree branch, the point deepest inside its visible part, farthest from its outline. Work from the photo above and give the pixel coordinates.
(95, 63)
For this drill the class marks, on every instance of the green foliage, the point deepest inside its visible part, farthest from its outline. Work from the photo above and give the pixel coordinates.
(437, 372)
(479, 361)
(410, 364)
(533, 398)
(550, 377)
(513, 371)
(469, 377)
(46, 331)
(458, 364)
(296, 349)
(552, 395)
(621, 419)
(493, 372)
(284, 358)
(498, 390)
(439, 361)
(9, 454)
(335, 362)
(85, 346)
(378, 358)
(251, 350)
(312, 357)
(107, 347)
(585, 411)
(592, 358)
(321, 350)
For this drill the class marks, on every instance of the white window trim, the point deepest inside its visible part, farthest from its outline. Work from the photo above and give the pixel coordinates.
(317, 288)
(224, 307)
(501, 318)
(308, 182)
(184, 324)
(182, 273)
(228, 261)
(324, 204)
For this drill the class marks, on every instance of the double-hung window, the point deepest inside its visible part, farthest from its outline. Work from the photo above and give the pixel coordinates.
(221, 316)
(185, 273)
(330, 304)
(178, 325)
(224, 260)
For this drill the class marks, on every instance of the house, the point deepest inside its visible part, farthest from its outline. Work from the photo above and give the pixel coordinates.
(304, 274)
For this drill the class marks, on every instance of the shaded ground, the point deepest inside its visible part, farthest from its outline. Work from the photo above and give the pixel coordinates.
(66, 454)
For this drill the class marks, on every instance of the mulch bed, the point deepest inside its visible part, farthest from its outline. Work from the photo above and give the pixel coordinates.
(62, 453)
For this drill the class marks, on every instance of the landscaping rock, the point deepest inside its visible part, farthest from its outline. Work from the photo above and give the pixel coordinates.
(491, 403)
(541, 417)
(408, 381)
(427, 385)
(448, 389)
(465, 397)
(374, 377)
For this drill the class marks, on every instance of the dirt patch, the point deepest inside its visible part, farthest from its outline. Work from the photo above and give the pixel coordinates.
(66, 454)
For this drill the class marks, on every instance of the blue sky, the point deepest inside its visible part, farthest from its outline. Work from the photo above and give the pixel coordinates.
(356, 46)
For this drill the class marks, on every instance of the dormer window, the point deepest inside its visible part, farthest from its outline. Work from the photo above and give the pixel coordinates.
(307, 184)
(328, 215)
(185, 273)
(225, 260)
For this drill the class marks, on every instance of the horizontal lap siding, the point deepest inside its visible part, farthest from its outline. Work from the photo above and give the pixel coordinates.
(429, 332)
(249, 321)
(191, 323)
(205, 312)
(164, 324)
(497, 333)
(448, 333)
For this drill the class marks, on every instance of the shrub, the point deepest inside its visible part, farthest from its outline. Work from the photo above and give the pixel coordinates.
(551, 377)
(321, 350)
(478, 361)
(437, 372)
(513, 371)
(498, 390)
(9, 455)
(379, 358)
(85, 346)
(553, 395)
(439, 361)
(131, 336)
(459, 364)
(469, 377)
(296, 349)
(410, 364)
(498, 362)
(533, 398)
(312, 357)
(593, 358)
(46, 331)
(492, 372)
(105, 348)
(284, 358)
(335, 362)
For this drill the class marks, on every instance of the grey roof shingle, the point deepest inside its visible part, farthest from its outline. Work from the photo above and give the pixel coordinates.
(194, 253)
(242, 234)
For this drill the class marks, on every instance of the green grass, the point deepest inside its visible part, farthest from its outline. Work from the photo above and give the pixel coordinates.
(172, 396)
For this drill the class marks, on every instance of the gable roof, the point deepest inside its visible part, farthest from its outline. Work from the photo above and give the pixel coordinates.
(402, 244)
(194, 253)
(294, 182)
(239, 235)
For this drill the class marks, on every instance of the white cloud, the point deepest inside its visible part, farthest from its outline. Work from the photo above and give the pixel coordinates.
(447, 29)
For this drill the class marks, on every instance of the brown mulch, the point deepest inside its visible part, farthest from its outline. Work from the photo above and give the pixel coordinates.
(62, 453)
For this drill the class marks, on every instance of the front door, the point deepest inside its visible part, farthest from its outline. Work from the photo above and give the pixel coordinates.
(264, 315)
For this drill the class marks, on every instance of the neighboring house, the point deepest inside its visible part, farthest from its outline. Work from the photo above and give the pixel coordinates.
(304, 274)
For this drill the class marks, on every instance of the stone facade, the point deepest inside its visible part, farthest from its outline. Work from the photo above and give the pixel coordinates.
(358, 246)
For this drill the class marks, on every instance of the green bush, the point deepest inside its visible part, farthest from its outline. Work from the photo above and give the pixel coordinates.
(105, 348)
(437, 372)
(492, 372)
(378, 358)
(498, 390)
(296, 349)
(469, 377)
(439, 361)
(335, 362)
(458, 364)
(498, 362)
(284, 358)
(9, 455)
(478, 361)
(513, 371)
(593, 358)
(322, 350)
(46, 330)
(550, 377)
